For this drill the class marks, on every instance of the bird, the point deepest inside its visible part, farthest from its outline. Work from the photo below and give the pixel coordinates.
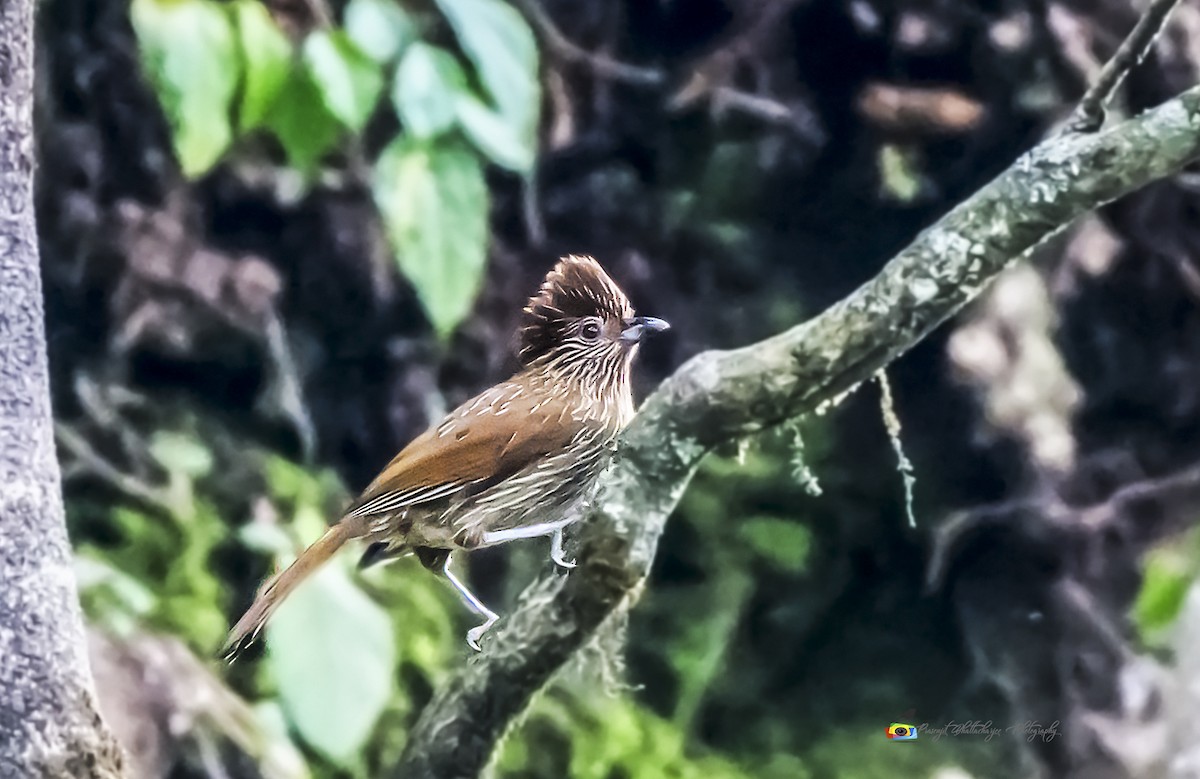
(516, 461)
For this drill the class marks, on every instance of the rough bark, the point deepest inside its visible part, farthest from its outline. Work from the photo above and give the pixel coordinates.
(721, 396)
(49, 725)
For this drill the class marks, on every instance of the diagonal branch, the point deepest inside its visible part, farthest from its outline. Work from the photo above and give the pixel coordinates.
(562, 46)
(719, 396)
(1089, 114)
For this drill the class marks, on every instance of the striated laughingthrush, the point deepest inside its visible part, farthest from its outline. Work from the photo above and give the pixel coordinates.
(510, 463)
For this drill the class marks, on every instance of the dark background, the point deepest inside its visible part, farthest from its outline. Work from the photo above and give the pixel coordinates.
(785, 152)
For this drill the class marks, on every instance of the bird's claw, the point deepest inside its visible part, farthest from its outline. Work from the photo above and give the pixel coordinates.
(558, 554)
(476, 633)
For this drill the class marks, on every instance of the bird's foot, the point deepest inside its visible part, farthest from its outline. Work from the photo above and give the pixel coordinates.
(476, 633)
(490, 617)
(557, 553)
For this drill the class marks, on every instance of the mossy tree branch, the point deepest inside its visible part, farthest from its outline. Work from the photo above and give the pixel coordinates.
(722, 396)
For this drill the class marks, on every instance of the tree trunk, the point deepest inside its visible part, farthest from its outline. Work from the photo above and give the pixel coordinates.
(49, 724)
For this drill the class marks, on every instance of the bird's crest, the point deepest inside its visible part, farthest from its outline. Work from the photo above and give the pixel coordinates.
(577, 287)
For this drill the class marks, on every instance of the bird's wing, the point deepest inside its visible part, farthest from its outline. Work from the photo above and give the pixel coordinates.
(483, 441)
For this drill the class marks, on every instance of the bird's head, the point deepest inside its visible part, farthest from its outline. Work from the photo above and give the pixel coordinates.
(580, 316)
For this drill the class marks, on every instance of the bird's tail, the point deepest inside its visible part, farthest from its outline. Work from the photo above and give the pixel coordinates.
(278, 587)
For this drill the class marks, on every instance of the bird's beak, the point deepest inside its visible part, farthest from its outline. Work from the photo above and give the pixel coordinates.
(638, 326)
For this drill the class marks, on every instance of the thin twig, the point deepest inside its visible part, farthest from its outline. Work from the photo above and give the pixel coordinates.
(1173, 496)
(1089, 114)
(1188, 274)
(287, 386)
(770, 21)
(798, 120)
(563, 48)
(531, 210)
(88, 460)
(766, 108)
(725, 99)
(321, 14)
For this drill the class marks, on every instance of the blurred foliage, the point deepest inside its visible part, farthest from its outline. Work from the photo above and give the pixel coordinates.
(158, 568)
(332, 691)
(227, 70)
(744, 503)
(1169, 574)
(333, 651)
(586, 736)
(350, 659)
(865, 753)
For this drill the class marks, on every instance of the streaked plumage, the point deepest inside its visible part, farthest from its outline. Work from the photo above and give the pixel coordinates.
(509, 463)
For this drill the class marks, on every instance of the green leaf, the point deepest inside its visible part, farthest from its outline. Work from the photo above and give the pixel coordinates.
(266, 537)
(427, 83)
(502, 47)
(293, 483)
(782, 543)
(190, 54)
(181, 453)
(267, 55)
(302, 123)
(1164, 590)
(433, 201)
(380, 28)
(492, 135)
(332, 652)
(290, 481)
(276, 753)
(93, 573)
(349, 82)
(900, 172)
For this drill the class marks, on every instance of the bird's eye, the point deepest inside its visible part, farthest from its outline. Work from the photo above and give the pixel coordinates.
(590, 329)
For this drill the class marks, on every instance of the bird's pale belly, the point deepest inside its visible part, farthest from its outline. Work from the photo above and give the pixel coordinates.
(464, 520)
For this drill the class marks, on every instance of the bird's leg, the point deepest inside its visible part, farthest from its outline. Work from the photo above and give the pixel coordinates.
(553, 529)
(490, 617)
(557, 553)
